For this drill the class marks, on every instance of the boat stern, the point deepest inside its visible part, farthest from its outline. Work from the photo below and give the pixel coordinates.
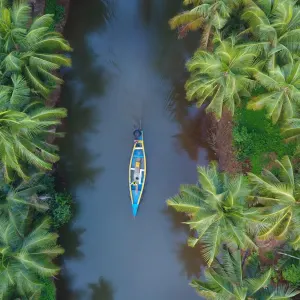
(135, 209)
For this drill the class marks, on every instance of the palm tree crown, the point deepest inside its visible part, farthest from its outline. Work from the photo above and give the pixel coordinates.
(282, 95)
(26, 257)
(17, 200)
(220, 78)
(217, 211)
(23, 138)
(231, 280)
(206, 14)
(31, 50)
(279, 195)
(277, 25)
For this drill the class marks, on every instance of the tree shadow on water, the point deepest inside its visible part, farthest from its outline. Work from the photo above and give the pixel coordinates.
(64, 290)
(176, 219)
(83, 20)
(78, 164)
(194, 135)
(101, 290)
(193, 121)
(190, 257)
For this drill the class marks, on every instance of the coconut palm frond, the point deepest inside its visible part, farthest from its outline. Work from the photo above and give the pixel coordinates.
(220, 78)
(216, 210)
(20, 13)
(280, 200)
(281, 97)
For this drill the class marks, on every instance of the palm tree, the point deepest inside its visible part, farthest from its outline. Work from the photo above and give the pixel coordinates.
(278, 196)
(25, 258)
(14, 92)
(17, 200)
(32, 50)
(231, 280)
(291, 129)
(217, 211)
(23, 138)
(276, 24)
(282, 94)
(221, 78)
(208, 15)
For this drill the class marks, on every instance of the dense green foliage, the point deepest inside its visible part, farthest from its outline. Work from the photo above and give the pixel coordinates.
(209, 15)
(56, 10)
(31, 55)
(61, 209)
(221, 77)
(26, 255)
(278, 195)
(230, 280)
(217, 210)
(248, 63)
(48, 290)
(292, 274)
(255, 137)
(32, 51)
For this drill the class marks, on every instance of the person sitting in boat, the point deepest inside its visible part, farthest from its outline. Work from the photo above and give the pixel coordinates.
(135, 182)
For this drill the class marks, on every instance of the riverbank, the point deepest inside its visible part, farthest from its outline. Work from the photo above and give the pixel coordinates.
(61, 205)
(32, 208)
(257, 141)
(220, 138)
(59, 8)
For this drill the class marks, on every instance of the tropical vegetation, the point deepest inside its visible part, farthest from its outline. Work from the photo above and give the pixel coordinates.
(32, 53)
(247, 64)
(217, 211)
(26, 255)
(232, 278)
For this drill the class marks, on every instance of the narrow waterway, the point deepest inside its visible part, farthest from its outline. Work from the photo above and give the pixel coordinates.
(127, 66)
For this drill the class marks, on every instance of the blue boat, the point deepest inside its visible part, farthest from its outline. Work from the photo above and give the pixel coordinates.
(137, 170)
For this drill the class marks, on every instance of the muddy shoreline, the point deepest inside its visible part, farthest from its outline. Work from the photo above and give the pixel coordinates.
(219, 137)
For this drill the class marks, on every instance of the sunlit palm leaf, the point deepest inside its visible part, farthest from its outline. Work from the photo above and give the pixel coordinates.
(216, 211)
(220, 78)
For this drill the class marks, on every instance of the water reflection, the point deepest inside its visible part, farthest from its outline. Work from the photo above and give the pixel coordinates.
(85, 82)
(102, 290)
(191, 137)
(176, 220)
(194, 135)
(191, 259)
(77, 29)
(146, 10)
(63, 287)
(125, 72)
(78, 162)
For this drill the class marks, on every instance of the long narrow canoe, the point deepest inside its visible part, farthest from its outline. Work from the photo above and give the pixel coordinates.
(137, 170)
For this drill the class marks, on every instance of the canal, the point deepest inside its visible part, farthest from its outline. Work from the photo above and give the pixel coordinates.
(127, 66)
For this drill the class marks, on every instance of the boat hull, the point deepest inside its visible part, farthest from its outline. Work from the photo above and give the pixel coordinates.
(137, 172)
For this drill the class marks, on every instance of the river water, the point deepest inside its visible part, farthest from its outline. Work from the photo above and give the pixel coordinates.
(127, 66)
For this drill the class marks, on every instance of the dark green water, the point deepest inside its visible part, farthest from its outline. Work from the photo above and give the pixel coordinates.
(127, 66)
